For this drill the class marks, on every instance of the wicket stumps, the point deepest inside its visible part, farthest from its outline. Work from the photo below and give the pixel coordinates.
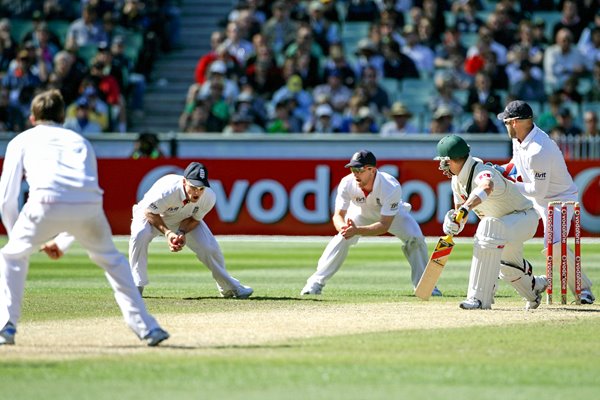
(563, 249)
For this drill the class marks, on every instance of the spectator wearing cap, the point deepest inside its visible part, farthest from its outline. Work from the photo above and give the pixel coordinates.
(242, 122)
(86, 30)
(338, 94)
(98, 110)
(81, 123)
(218, 73)
(566, 122)
(562, 60)
(442, 121)
(363, 122)
(481, 121)
(368, 55)
(399, 123)
(322, 121)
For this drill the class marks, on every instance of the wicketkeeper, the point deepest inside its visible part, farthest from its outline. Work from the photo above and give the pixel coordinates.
(508, 219)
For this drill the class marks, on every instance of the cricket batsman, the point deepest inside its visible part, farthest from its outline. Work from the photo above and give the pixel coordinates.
(507, 220)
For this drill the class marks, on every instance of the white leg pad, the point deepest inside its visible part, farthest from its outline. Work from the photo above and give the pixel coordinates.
(520, 277)
(485, 265)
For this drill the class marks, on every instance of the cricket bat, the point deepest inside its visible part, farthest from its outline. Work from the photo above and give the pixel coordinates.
(436, 263)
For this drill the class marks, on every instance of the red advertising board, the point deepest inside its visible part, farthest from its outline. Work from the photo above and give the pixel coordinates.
(295, 197)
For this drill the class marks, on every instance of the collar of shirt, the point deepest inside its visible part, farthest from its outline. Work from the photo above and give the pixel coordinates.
(530, 137)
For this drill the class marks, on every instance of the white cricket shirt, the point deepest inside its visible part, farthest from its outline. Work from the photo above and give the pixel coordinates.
(504, 199)
(384, 199)
(58, 164)
(167, 198)
(542, 166)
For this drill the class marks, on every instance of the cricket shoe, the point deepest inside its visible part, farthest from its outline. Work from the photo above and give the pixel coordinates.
(312, 288)
(242, 292)
(541, 283)
(470, 304)
(436, 292)
(7, 334)
(587, 297)
(155, 337)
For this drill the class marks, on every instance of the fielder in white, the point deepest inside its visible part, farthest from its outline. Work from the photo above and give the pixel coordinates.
(60, 167)
(507, 221)
(174, 207)
(369, 203)
(543, 177)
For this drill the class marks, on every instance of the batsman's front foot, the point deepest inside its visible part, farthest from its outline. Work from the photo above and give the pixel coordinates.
(7, 334)
(539, 287)
(470, 304)
(587, 297)
(312, 288)
(436, 292)
(155, 337)
(243, 292)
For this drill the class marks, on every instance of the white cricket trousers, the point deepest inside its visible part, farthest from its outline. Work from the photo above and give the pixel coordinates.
(38, 223)
(404, 227)
(200, 240)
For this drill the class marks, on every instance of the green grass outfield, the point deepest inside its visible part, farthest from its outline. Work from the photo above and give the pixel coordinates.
(366, 337)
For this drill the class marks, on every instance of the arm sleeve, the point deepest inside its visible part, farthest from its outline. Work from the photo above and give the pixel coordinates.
(10, 186)
(392, 202)
(342, 199)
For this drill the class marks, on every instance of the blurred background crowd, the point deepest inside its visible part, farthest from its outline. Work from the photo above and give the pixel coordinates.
(385, 67)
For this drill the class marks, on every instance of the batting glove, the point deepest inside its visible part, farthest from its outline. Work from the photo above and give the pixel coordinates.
(451, 227)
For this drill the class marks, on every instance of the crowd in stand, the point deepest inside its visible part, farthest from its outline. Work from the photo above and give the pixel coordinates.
(283, 66)
(100, 60)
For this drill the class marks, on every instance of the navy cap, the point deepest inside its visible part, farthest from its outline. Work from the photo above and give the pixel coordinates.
(517, 109)
(362, 158)
(196, 174)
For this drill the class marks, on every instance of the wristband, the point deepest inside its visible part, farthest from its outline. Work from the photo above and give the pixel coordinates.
(479, 192)
(167, 233)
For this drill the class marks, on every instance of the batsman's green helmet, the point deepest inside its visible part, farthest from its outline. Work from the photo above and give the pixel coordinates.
(452, 147)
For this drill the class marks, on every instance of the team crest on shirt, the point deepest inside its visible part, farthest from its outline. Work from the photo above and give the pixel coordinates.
(195, 210)
(378, 202)
(359, 200)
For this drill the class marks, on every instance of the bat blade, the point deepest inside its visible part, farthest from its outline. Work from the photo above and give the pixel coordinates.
(434, 267)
